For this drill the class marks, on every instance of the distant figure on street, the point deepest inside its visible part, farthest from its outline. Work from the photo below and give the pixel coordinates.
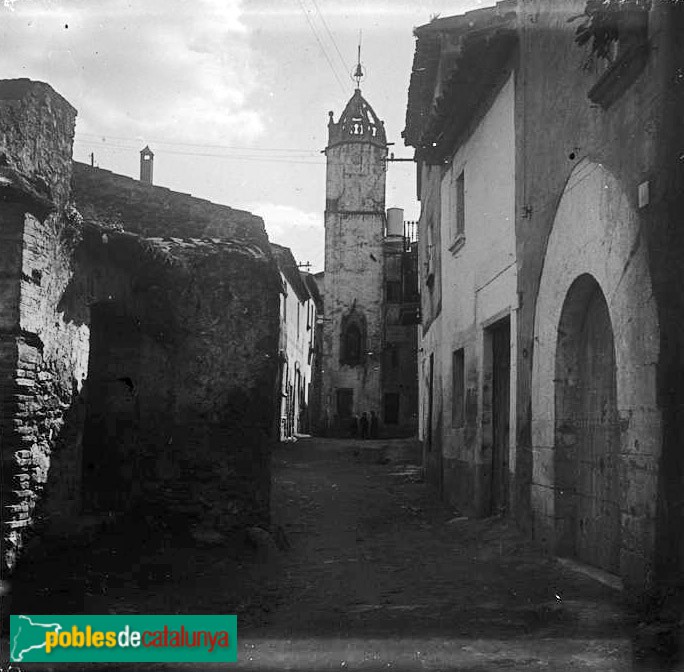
(373, 425)
(363, 425)
(354, 426)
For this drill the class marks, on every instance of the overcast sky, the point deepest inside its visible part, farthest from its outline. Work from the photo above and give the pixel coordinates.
(231, 95)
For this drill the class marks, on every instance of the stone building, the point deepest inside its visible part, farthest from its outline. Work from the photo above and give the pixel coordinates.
(550, 263)
(368, 356)
(297, 345)
(138, 342)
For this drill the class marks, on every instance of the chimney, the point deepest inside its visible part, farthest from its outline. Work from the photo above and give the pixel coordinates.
(146, 165)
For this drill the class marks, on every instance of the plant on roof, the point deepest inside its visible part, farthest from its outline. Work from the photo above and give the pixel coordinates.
(605, 22)
(72, 226)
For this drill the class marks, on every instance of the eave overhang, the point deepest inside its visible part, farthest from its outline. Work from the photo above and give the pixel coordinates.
(458, 63)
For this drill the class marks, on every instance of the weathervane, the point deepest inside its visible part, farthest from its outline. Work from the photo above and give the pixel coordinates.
(358, 72)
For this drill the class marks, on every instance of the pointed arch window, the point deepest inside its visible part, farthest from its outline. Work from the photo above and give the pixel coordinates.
(352, 339)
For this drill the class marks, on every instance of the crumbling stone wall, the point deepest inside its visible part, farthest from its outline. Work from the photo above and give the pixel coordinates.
(225, 383)
(181, 389)
(43, 357)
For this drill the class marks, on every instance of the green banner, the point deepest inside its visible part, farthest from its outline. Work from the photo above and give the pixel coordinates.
(127, 638)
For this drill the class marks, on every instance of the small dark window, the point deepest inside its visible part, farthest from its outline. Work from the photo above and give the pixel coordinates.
(458, 389)
(430, 254)
(460, 204)
(393, 289)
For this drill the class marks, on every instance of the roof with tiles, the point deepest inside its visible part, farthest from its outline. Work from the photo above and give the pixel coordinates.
(314, 290)
(160, 213)
(457, 61)
(288, 267)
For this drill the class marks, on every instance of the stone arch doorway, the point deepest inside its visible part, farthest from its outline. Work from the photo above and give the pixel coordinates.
(596, 232)
(587, 434)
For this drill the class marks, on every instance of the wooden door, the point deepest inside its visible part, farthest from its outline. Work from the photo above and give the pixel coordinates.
(598, 515)
(501, 385)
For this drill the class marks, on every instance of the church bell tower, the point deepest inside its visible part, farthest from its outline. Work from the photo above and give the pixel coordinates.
(353, 287)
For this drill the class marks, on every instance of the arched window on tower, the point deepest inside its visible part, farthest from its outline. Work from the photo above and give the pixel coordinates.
(352, 339)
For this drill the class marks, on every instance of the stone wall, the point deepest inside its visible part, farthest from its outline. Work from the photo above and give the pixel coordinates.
(666, 250)
(43, 356)
(181, 389)
(36, 135)
(225, 381)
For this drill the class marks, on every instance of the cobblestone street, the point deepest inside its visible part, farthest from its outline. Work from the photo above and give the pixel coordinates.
(379, 575)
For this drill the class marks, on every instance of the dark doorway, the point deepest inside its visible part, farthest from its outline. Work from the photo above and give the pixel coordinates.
(110, 436)
(345, 403)
(498, 361)
(587, 432)
(391, 408)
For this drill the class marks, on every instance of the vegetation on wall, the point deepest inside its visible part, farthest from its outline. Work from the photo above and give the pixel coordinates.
(607, 22)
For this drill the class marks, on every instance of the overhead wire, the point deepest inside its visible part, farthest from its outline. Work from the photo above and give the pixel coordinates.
(106, 136)
(322, 47)
(118, 147)
(346, 67)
